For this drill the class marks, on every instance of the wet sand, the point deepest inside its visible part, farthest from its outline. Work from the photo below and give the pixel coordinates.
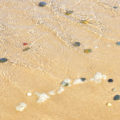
(50, 35)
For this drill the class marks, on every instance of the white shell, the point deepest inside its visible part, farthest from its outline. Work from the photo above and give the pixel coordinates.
(21, 106)
(77, 81)
(61, 89)
(29, 94)
(51, 92)
(42, 97)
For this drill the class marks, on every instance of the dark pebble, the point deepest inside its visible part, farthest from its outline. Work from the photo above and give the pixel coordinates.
(68, 12)
(25, 49)
(116, 97)
(83, 79)
(42, 4)
(64, 84)
(115, 7)
(118, 43)
(2, 60)
(76, 44)
(110, 80)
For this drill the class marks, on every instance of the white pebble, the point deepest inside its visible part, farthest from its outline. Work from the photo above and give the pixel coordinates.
(42, 97)
(61, 89)
(109, 104)
(77, 81)
(104, 77)
(29, 94)
(51, 92)
(21, 106)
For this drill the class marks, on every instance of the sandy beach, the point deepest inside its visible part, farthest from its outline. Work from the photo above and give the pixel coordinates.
(41, 46)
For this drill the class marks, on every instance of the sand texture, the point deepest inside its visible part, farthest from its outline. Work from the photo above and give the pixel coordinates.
(39, 45)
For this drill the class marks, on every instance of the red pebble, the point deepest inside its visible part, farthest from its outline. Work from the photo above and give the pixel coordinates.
(25, 43)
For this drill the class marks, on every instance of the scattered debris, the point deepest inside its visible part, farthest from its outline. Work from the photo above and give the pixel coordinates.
(27, 48)
(42, 97)
(76, 44)
(78, 81)
(61, 89)
(87, 50)
(116, 97)
(42, 4)
(2, 60)
(110, 80)
(52, 92)
(21, 106)
(29, 94)
(98, 77)
(118, 43)
(68, 12)
(66, 82)
(109, 104)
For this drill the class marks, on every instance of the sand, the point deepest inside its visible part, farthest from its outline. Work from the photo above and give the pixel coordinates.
(52, 58)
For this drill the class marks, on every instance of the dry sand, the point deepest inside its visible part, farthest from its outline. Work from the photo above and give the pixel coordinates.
(52, 58)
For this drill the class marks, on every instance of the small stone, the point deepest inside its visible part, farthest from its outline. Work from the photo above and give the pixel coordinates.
(51, 92)
(83, 79)
(116, 97)
(66, 82)
(68, 12)
(27, 48)
(42, 97)
(87, 50)
(61, 89)
(29, 94)
(21, 106)
(76, 44)
(2, 60)
(118, 43)
(25, 43)
(115, 7)
(110, 80)
(42, 4)
(84, 21)
(109, 104)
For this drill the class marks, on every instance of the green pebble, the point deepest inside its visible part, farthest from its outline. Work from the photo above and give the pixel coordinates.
(25, 49)
(87, 50)
(68, 12)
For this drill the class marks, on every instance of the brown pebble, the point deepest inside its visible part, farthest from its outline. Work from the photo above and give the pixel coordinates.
(87, 50)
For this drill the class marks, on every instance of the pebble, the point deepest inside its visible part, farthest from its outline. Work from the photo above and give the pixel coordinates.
(98, 77)
(2, 60)
(42, 97)
(84, 21)
(66, 82)
(21, 106)
(115, 7)
(27, 48)
(68, 12)
(78, 81)
(61, 89)
(116, 97)
(87, 50)
(118, 43)
(29, 94)
(42, 4)
(25, 44)
(109, 104)
(110, 80)
(51, 92)
(76, 44)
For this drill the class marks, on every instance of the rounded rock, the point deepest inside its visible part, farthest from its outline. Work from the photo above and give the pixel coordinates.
(116, 97)
(2, 60)
(42, 4)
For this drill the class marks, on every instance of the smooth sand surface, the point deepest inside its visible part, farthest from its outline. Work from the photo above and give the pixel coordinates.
(50, 34)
